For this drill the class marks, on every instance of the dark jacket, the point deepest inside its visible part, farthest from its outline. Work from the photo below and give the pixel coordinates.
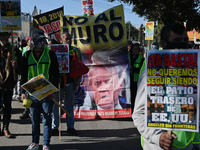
(6, 69)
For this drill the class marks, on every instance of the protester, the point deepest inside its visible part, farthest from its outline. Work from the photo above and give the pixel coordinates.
(173, 36)
(16, 90)
(22, 44)
(8, 78)
(40, 60)
(27, 47)
(30, 45)
(129, 44)
(136, 62)
(67, 85)
(155, 46)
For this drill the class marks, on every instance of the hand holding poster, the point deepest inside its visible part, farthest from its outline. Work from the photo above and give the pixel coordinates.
(39, 87)
(172, 90)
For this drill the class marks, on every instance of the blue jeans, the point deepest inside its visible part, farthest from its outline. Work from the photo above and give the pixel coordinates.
(69, 106)
(45, 107)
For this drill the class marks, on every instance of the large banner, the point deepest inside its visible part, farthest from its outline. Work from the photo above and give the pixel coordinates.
(10, 13)
(173, 90)
(50, 23)
(105, 90)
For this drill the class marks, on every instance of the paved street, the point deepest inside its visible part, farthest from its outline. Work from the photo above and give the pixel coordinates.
(102, 134)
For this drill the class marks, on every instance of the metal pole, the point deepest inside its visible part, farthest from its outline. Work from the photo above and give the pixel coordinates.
(129, 31)
(30, 24)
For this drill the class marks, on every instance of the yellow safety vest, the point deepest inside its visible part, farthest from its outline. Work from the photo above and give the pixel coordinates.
(41, 66)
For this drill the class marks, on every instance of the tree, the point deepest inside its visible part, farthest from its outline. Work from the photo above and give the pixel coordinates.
(168, 11)
(131, 31)
(140, 38)
(157, 31)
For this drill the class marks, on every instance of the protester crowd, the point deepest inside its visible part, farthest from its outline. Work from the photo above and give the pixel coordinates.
(33, 53)
(30, 57)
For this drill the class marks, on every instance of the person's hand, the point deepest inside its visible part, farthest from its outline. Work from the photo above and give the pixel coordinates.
(166, 140)
(14, 64)
(23, 96)
(50, 96)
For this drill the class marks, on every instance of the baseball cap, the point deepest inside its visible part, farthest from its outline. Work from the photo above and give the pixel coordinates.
(28, 38)
(155, 46)
(38, 34)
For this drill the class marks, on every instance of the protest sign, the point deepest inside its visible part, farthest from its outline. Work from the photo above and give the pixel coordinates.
(172, 90)
(88, 8)
(62, 52)
(39, 87)
(105, 90)
(149, 30)
(10, 15)
(50, 23)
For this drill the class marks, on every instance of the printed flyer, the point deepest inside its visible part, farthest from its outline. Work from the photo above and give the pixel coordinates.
(172, 90)
(39, 87)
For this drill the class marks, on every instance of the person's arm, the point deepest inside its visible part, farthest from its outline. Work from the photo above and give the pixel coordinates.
(158, 138)
(151, 135)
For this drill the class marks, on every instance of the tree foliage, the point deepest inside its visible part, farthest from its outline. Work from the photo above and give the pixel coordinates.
(140, 38)
(131, 31)
(157, 31)
(168, 11)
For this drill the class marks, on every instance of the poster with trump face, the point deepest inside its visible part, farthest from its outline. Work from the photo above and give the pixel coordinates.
(105, 90)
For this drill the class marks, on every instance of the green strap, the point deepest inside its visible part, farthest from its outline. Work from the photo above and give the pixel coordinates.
(196, 139)
(142, 68)
(142, 141)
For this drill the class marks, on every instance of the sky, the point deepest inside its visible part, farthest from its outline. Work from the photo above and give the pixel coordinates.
(74, 7)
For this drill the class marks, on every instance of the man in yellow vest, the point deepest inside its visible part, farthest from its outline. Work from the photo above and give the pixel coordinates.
(67, 85)
(40, 60)
(173, 36)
